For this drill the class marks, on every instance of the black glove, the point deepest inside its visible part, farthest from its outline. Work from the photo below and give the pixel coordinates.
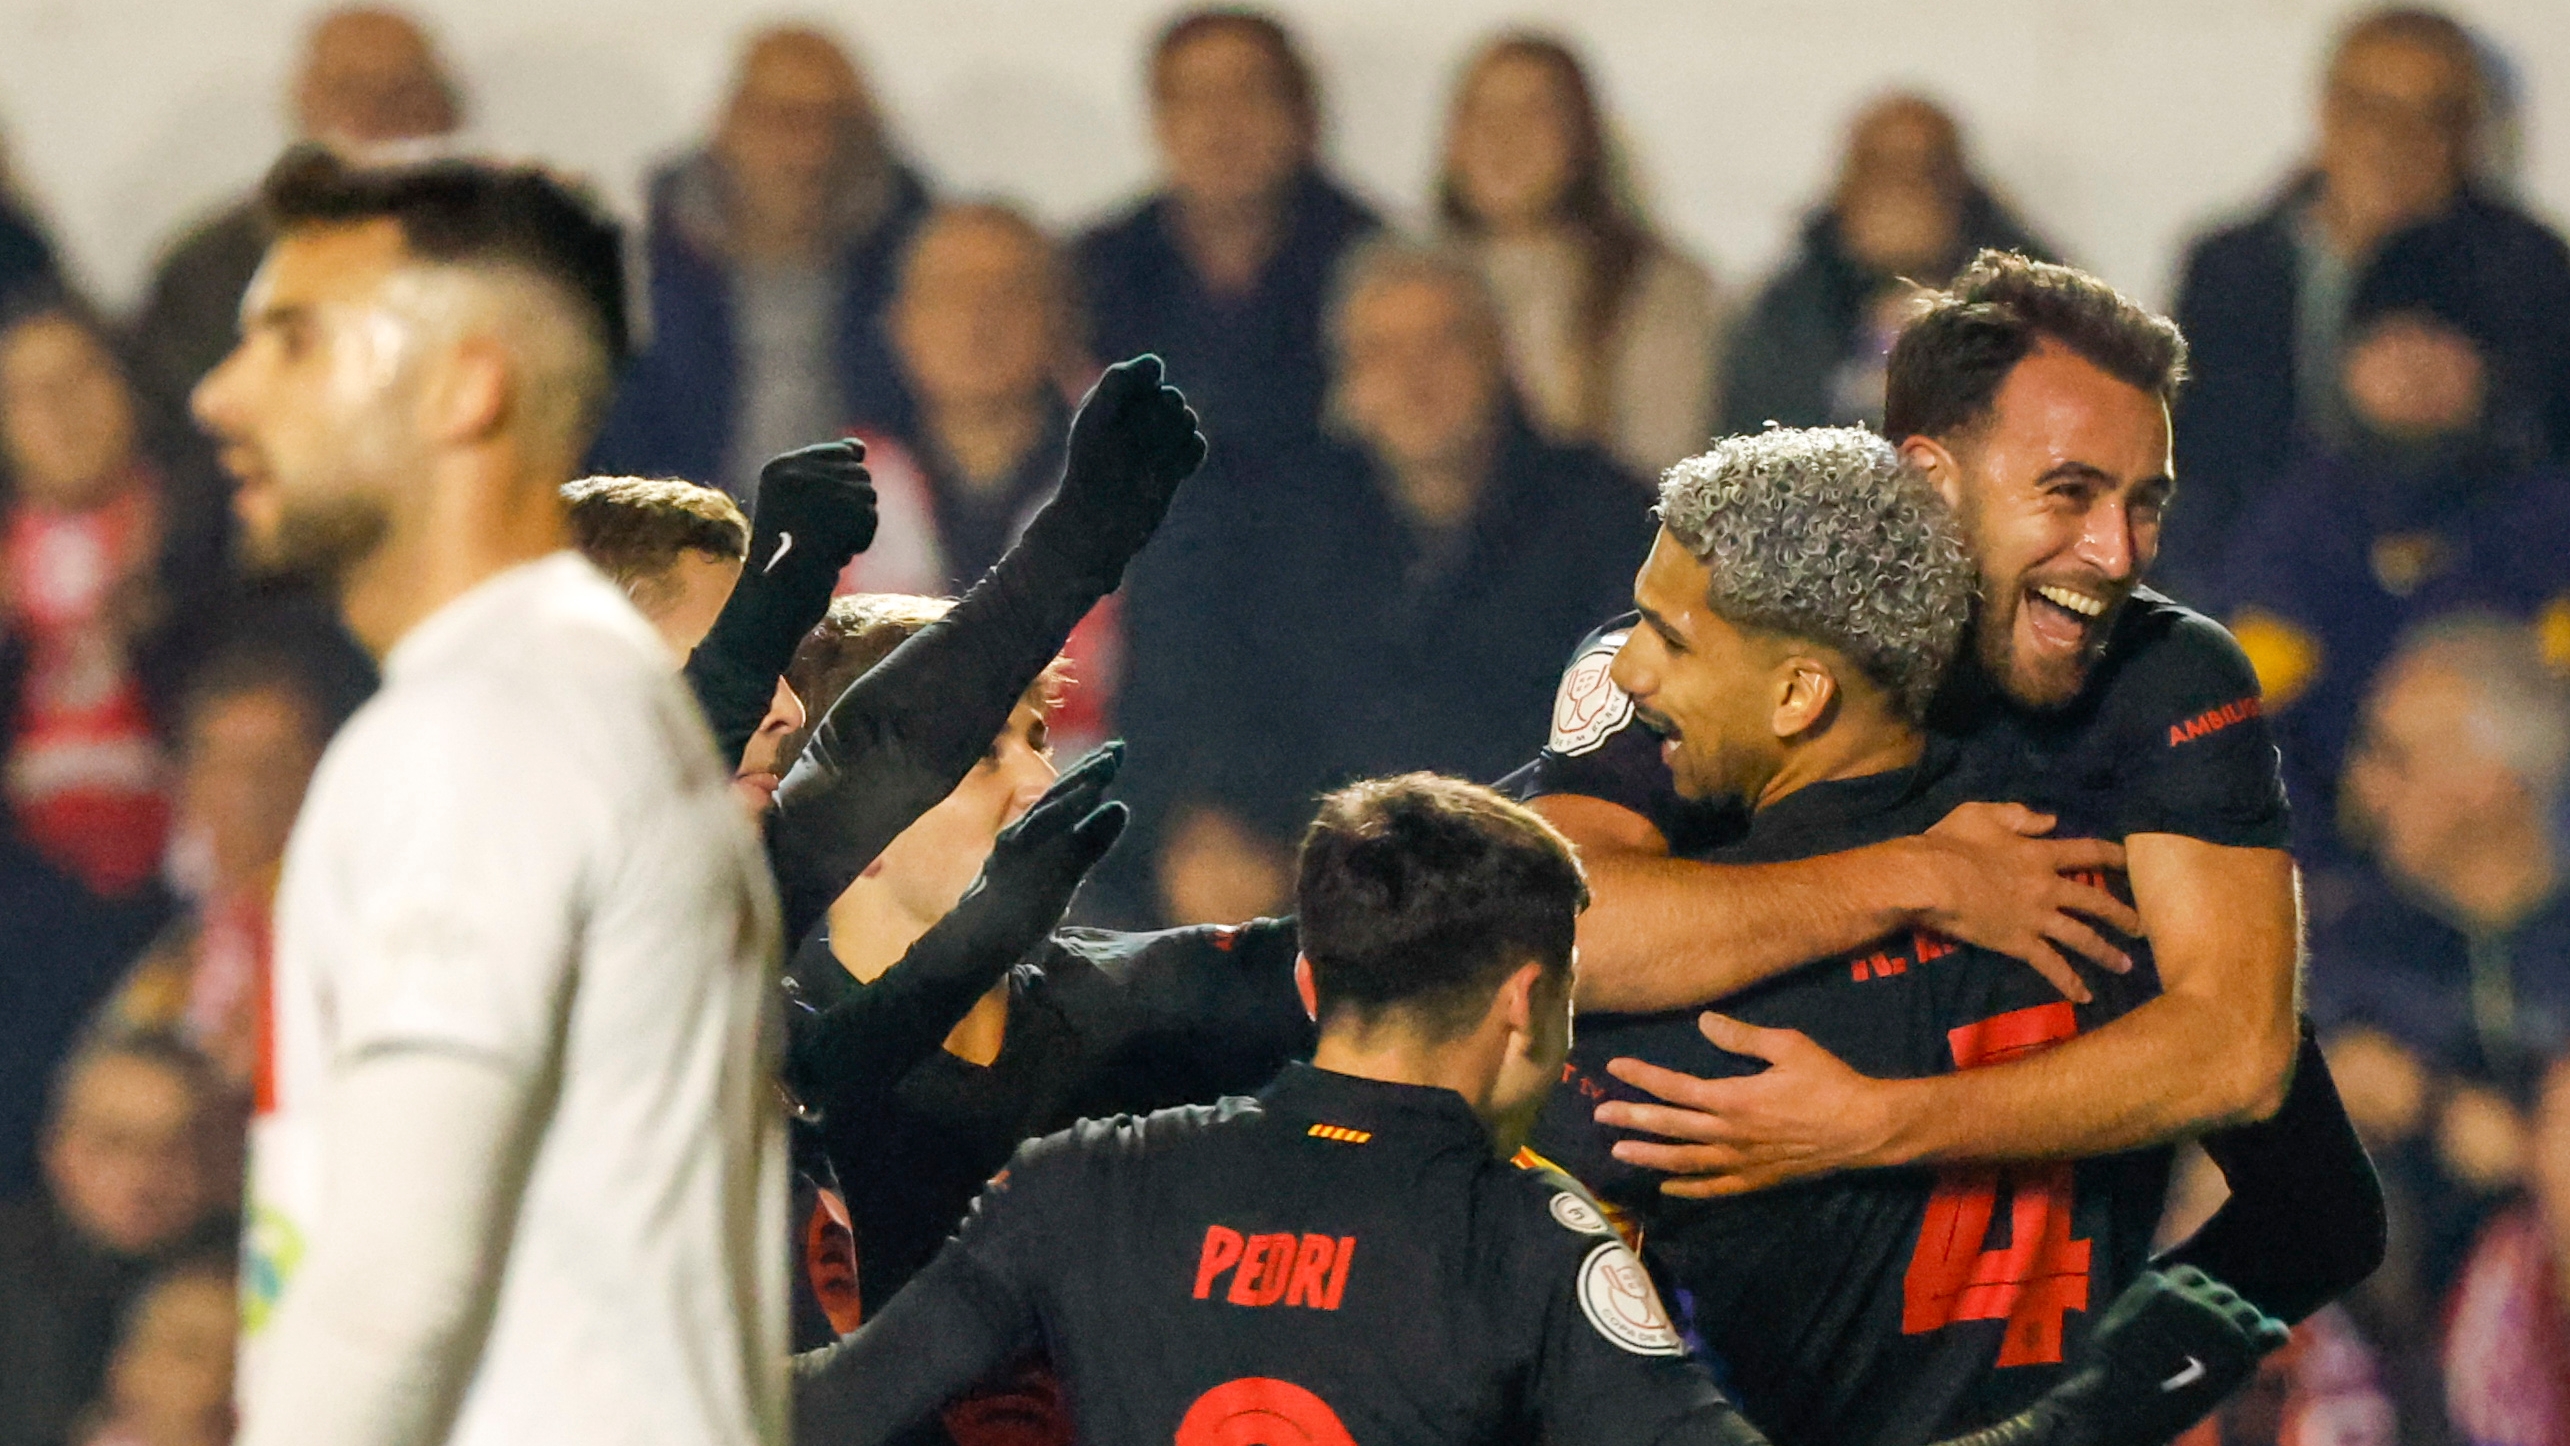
(2174, 1345)
(1134, 440)
(867, 1042)
(816, 509)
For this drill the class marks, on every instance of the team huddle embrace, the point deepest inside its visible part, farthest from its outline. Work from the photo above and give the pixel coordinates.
(678, 1036)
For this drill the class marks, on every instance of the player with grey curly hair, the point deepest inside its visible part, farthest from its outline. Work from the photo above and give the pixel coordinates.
(1821, 534)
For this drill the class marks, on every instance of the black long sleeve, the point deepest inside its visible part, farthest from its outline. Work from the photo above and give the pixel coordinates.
(2305, 1223)
(908, 731)
(947, 1330)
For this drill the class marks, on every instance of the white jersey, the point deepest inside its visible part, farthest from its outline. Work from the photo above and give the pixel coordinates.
(523, 849)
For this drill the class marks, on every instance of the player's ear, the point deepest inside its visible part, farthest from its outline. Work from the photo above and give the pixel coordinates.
(1521, 997)
(1305, 990)
(468, 391)
(1805, 692)
(1931, 460)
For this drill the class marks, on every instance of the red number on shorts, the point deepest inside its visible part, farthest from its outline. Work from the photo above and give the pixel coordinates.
(2041, 1272)
(1259, 1411)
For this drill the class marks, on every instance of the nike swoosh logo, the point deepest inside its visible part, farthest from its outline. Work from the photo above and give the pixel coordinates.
(2193, 1373)
(784, 545)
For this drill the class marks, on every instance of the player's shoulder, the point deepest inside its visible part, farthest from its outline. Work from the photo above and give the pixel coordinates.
(1560, 1234)
(1123, 956)
(1122, 1143)
(1588, 708)
(2163, 649)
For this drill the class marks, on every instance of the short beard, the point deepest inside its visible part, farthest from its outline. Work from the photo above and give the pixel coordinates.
(320, 543)
(1994, 648)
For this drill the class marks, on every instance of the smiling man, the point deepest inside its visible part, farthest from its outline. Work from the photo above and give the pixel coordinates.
(2034, 399)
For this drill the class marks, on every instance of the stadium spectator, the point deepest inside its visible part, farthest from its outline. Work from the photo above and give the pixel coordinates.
(2440, 972)
(371, 79)
(1224, 271)
(1907, 212)
(125, 1190)
(2415, 506)
(1612, 334)
(2395, 181)
(771, 255)
(113, 562)
(249, 739)
(984, 327)
(170, 1381)
(1400, 600)
(983, 331)
(675, 547)
(2507, 1344)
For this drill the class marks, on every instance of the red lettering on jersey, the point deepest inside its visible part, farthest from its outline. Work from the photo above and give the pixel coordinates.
(2041, 1272)
(830, 1261)
(1305, 1270)
(2214, 720)
(1259, 1411)
(1222, 1252)
(1264, 1264)
(1311, 1271)
(1925, 946)
(1338, 1273)
(1880, 965)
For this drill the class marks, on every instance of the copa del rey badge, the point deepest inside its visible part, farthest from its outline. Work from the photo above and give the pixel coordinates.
(1616, 1295)
(1588, 708)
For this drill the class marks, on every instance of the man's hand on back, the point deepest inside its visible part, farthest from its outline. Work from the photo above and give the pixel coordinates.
(2002, 883)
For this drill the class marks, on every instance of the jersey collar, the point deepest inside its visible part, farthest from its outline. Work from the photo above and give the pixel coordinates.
(1303, 1094)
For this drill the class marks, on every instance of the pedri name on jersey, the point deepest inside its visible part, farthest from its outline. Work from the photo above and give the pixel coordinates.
(1278, 1268)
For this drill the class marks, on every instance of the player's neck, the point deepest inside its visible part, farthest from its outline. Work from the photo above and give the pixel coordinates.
(1848, 748)
(477, 515)
(1469, 1065)
(870, 930)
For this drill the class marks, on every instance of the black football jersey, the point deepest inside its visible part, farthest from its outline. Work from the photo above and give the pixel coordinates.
(1338, 1260)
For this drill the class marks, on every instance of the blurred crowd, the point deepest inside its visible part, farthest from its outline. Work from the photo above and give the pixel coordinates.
(1431, 461)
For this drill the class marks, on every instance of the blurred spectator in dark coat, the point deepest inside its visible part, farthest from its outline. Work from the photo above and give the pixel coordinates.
(125, 1191)
(1907, 212)
(770, 256)
(111, 577)
(985, 333)
(170, 1380)
(1402, 600)
(1613, 335)
(2440, 970)
(2414, 507)
(371, 79)
(1224, 272)
(2265, 303)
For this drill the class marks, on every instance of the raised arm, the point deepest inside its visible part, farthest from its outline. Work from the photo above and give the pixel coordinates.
(2214, 1050)
(1665, 933)
(816, 510)
(845, 1059)
(908, 731)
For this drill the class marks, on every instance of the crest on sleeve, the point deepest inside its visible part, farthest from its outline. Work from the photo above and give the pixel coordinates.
(1577, 1215)
(1616, 1295)
(1589, 708)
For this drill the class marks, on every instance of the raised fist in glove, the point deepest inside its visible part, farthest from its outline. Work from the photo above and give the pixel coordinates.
(818, 501)
(2173, 1345)
(1134, 440)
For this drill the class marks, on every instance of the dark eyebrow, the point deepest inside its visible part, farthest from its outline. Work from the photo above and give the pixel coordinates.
(1660, 625)
(2075, 472)
(282, 315)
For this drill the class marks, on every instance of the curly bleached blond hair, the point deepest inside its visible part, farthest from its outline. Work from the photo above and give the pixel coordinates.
(1822, 535)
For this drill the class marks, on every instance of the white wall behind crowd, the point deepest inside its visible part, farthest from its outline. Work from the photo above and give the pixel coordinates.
(2117, 127)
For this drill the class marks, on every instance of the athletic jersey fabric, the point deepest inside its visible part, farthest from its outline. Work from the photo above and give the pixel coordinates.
(523, 850)
(1887, 1307)
(1337, 1260)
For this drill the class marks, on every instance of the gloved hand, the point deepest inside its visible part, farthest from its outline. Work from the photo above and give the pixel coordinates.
(1134, 440)
(816, 509)
(2170, 1349)
(817, 500)
(1039, 862)
(863, 1045)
